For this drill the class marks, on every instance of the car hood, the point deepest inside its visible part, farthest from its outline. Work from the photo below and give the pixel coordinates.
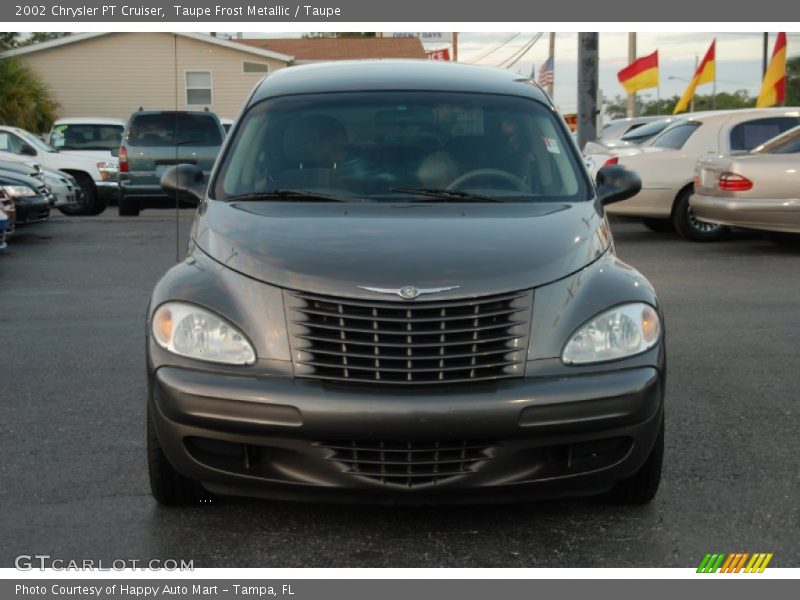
(335, 248)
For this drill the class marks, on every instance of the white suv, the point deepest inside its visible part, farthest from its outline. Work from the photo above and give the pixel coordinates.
(98, 178)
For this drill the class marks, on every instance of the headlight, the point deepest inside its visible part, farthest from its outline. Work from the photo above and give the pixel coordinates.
(617, 333)
(18, 191)
(189, 330)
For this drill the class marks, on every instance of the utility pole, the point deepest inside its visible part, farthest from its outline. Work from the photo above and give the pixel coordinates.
(691, 103)
(764, 56)
(552, 55)
(631, 112)
(587, 87)
(455, 46)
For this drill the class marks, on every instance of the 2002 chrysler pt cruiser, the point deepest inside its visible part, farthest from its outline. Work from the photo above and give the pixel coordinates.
(401, 287)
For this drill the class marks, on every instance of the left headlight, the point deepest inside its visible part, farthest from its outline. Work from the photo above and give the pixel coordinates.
(18, 191)
(620, 332)
(188, 330)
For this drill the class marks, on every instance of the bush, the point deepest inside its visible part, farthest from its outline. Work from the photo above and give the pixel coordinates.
(25, 101)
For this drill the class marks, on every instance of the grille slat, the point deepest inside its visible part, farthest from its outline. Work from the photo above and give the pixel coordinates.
(408, 464)
(408, 342)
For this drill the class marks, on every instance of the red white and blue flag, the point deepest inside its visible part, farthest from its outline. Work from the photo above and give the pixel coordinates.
(546, 73)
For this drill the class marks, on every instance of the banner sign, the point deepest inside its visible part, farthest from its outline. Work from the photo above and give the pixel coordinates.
(443, 54)
(426, 37)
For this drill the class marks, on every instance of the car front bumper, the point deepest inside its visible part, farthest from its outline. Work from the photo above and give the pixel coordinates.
(298, 439)
(30, 209)
(749, 213)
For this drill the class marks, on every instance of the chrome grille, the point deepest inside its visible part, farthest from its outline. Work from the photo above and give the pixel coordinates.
(408, 464)
(409, 342)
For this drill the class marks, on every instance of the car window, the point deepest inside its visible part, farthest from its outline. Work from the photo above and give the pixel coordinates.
(647, 130)
(173, 128)
(86, 136)
(787, 143)
(10, 143)
(748, 135)
(369, 144)
(675, 136)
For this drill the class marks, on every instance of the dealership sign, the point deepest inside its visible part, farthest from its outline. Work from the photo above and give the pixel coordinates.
(438, 54)
(426, 37)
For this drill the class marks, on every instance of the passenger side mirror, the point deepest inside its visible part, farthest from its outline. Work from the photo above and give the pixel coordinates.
(616, 183)
(184, 182)
(27, 150)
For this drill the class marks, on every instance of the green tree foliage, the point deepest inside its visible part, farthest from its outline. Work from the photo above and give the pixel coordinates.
(793, 81)
(12, 39)
(617, 108)
(25, 100)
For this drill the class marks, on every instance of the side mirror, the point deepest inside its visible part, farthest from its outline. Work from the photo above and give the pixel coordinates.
(115, 152)
(616, 183)
(184, 182)
(27, 150)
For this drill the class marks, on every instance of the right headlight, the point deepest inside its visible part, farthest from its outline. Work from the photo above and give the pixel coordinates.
(189, 330)
(620, 332)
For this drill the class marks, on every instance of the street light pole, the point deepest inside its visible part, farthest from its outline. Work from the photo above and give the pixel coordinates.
(587, 87)
(631, 112)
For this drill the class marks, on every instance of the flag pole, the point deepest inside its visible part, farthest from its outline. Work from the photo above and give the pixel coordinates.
(553, 63)
(691, 103)
(631, 112)
(714, 82)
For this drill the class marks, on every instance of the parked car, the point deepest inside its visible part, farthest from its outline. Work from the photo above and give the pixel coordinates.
(616, 129)
(4, 224)
(758, 190)
(97, 178)
(666, 164)
(356, 316)
(66, 194)
(30, 197)
(155, 140)
(94, 137)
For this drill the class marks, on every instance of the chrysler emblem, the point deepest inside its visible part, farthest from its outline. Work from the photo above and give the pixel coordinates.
(409, 292)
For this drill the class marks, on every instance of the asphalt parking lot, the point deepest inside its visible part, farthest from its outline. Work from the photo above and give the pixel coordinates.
(73, 294)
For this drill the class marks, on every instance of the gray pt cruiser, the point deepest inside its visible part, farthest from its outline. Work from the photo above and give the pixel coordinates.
(401, 286)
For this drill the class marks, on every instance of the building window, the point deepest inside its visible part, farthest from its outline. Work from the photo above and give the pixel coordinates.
(254, 67)
(198, 87)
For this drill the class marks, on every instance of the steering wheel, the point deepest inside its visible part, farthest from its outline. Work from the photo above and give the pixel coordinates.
(497, 174)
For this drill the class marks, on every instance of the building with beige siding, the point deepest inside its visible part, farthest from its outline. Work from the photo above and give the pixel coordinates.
(113, 74)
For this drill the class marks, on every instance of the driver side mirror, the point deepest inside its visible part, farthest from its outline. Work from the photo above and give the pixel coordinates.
(115, 152)
(27, 150)
(184, 182)
(616, 183)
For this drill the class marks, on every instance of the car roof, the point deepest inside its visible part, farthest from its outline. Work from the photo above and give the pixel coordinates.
(711, 115)
(399, 75)
(89, 121)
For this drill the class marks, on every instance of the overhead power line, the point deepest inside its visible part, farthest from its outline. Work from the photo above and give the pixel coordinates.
(514, 58)
(495, 48)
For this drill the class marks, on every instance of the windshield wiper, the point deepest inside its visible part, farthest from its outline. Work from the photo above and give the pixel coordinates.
(444, 194)
(286, 194)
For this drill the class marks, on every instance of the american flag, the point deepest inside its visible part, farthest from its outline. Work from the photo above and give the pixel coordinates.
(546, 73)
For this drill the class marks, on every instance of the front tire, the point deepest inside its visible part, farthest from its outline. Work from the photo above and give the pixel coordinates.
(91, 205)
(128, 207)
(641, 487)
(689, 226)
(169, 487)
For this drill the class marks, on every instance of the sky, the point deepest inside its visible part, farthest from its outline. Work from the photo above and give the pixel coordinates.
(738, 59)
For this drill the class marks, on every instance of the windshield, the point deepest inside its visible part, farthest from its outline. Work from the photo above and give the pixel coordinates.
(675, 136)
(647, 130)
(35, 141)
(388, 145)
(787, 143)
(86, 136)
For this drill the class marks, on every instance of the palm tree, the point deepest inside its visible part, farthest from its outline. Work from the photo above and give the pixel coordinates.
(25, 101)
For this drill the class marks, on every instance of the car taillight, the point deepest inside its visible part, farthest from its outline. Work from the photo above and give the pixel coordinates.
(731, 182)
(123, 160)
(611, 161)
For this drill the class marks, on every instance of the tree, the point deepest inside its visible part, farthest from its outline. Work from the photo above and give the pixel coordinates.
(11, 39)
(617, 108)
(793, 81)
(25, 100)
(8, 40)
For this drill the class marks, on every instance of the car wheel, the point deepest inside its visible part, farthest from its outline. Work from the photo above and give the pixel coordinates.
(128, 207)
(169, 487)
(659, 225)
(787, 240)
(89, 204)
(689, 226)
(641, 487)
